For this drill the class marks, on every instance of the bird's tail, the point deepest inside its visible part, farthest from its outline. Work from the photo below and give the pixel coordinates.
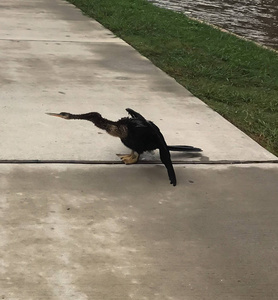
(184, 148)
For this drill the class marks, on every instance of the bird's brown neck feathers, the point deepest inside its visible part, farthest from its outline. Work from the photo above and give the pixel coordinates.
(113, 128)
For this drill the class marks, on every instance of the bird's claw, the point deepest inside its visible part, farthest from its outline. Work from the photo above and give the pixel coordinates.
(128, 159)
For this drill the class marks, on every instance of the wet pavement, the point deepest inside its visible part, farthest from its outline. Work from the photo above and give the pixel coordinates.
(106, 233)
(253, 19)
(110, 231)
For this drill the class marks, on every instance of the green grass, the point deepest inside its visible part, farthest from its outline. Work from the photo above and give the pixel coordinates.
(235, 77)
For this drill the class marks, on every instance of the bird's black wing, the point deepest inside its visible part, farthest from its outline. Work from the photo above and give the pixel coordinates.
(164, 153)
(160, 143)
(135, 114)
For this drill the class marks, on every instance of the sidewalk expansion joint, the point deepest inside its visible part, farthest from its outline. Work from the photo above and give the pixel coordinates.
(141, 162)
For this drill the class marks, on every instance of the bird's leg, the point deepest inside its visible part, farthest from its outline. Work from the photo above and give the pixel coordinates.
(129, 159)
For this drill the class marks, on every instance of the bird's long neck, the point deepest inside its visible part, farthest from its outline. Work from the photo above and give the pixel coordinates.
(96, 118)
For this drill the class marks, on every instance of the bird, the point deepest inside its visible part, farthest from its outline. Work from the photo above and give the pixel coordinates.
(137, 134)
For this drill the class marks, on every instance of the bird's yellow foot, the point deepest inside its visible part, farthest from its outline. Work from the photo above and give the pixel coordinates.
(129, 159)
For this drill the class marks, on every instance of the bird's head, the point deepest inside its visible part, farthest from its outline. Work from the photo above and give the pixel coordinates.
(63, 115)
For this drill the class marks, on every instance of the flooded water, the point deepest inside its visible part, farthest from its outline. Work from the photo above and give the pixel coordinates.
(253, 19)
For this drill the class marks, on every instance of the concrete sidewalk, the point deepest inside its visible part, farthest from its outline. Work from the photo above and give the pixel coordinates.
(112, 231)
(107, 232)
(55, 59)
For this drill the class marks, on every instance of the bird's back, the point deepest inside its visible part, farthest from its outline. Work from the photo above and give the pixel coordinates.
(141, 136)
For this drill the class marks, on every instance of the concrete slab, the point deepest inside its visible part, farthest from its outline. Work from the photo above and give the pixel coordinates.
(49, 20)
(55, 59)
(93, 232)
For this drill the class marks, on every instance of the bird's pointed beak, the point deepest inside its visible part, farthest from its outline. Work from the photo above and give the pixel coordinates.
(54, 115)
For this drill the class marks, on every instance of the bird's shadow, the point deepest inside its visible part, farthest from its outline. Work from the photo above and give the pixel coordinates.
(175, 156)
(185, 155)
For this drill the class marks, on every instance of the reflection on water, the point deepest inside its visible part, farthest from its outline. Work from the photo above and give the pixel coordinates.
(253, 19)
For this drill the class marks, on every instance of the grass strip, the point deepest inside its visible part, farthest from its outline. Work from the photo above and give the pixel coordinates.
(235, 77)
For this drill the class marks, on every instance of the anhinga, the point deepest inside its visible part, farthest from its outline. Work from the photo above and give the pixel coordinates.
(136, 133)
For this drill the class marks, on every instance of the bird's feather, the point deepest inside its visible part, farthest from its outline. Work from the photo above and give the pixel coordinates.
(183, 148)
(164, 153)
(135, 114)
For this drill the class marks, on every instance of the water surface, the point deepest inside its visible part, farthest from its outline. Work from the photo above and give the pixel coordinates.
(256, 20)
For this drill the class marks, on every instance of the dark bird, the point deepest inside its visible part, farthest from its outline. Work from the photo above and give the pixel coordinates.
(136, 133)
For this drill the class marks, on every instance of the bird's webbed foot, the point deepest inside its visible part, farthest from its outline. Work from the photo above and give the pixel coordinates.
(129, 159)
